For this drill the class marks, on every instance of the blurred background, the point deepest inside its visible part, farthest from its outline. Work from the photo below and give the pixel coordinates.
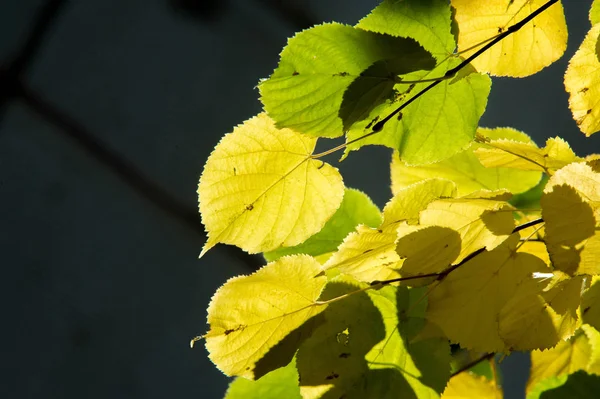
(108, 111)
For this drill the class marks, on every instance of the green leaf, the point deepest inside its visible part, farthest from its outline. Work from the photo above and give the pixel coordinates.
(251, 316)
(356, 208)
(364, 349)
(426, 21)
(332, 75)
(467, 172)
(595, 12)
(579, 385)
(530, 199)
(280, 383)
(546, 385)
(437, 125)
(590, 305)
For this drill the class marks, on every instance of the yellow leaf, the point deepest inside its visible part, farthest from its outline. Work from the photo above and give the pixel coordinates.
(426, 249)
(370, 254)
(583, 178)
(468, 385)
(538, 317)
(536, 45)
(569, 202)
(593, 336)
(249, 315)
(590, 305)
(481, 223)
(412, 198)
(527, 156)
(582, 82)
(565, 358)
(367, 254)
(466, 171)
(467, 303)
(261, 190)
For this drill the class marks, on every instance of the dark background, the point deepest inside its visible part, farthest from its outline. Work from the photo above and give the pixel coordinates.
(108, 110)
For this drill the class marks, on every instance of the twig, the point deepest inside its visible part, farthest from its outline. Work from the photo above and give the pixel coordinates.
(528, 224)
(472, 363)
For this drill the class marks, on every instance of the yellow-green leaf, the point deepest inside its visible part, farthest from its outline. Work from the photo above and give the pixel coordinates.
(369, 254)
(426, 249)
(481, 223)
(534, 319)
(468, 302)
(261, 190)
(595, 12)
(590, 305)
(565, 358)
(250, 315)
(569, 203)
(278, 384)
(468, 385)
(582, 81)
(536, 45)
(364, 349)
(527, 156)
(466, 171)
(356, 208)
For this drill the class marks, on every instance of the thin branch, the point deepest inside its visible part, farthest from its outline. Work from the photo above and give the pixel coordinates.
(528, 224)
(378, 127)
(472, 363)
(9, 75)
(439, 276)
(452, 72)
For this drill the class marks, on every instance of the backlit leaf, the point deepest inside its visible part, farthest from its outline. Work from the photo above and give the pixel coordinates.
(569, 202)
(481, 223)
(590, 305)
(280, 383)
(331, 75)
(467, 172)
(565, 358)
(427, 249)
(356, 208)
(260, 189)
(426, 21)
(536, 45)
(250, 315)
(527, 156)
(435, 126)
(364, 349)
(534, 319)
(467, 304)
(370, 254)
(468, 385)
(595, 12)
(582, 81)
(579, 385)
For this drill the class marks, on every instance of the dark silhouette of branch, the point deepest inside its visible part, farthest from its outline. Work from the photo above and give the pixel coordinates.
(125, 170)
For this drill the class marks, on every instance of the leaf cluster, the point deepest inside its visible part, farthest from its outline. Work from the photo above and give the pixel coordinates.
(489, 242)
